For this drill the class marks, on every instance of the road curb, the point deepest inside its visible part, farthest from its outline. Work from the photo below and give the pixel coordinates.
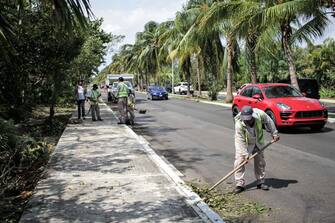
(192, 198)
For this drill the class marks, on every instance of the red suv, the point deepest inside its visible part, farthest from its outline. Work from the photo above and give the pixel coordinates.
(284, 104)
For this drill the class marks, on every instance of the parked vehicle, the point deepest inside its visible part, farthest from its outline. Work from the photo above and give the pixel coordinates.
(168, 88)
(112, 91)
(112, 81)
(308, 87)
(284, 104)
(157, 92)
(240, 88)
(181, 88)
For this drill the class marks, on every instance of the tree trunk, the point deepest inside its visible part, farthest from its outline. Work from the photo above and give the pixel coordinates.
(253, 69)
(141, 79)
(230, 52)
(146, 81)
(187, 67)
(292, 71)
(217, 61)
(199, 71)
(52, 104)
(286, 33)
(158, 70)
(138, 82)
(251, 44)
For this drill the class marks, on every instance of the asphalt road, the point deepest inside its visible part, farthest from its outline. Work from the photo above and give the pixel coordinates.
(198, 140)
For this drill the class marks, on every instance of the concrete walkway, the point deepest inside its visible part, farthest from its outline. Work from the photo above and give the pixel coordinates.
(103, 172)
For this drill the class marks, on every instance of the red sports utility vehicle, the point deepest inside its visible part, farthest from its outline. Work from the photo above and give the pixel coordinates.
(284, 104)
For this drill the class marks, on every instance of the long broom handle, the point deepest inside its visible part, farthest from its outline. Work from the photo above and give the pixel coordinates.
(239, 166)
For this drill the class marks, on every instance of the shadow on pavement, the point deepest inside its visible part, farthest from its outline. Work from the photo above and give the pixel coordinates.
(80, 206)
(273, 183)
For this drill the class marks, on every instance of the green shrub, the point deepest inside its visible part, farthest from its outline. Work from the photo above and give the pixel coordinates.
(214, 88)
(327, 92)
(18, 154)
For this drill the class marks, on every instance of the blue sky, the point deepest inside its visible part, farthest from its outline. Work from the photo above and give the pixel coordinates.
(127, 17)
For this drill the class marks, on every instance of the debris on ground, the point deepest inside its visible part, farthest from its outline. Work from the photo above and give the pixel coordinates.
(231, 207)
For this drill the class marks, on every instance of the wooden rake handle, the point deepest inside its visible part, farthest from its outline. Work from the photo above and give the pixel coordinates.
(241, 165)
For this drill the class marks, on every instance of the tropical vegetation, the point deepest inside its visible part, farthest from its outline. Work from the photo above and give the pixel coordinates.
(225, 43)
(46, 47)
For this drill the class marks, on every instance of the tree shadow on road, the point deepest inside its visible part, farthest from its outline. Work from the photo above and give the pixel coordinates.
(274, 183)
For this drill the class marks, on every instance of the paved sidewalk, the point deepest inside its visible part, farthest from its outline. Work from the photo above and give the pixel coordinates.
(101, 172)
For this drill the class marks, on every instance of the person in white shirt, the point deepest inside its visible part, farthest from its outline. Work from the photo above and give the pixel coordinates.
(80, 96)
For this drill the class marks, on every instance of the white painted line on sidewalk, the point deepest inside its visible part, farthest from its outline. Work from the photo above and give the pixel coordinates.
(192, 198)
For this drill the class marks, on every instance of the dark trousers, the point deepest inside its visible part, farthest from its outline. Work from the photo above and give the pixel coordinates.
(81, 108)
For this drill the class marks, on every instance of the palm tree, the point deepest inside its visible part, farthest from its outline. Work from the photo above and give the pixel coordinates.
(220, 15)
(287, 17)
(275, 19)
(148, 42)
(205, 46)
(248, 28)
(65, 12)
(170, 39)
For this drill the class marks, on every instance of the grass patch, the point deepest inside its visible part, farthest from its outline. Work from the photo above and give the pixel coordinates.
(231, 207)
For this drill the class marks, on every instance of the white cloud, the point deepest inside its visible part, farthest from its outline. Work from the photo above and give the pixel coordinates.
(128, 17)
(129, 21)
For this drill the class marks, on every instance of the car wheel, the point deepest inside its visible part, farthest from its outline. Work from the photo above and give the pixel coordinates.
(166, 97)
(235, 110)
(317, 127)
(179, 91)
(271, 115)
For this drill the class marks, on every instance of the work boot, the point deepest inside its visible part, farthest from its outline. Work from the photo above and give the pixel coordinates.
(262, 186)
(238, 189)
(100, 119)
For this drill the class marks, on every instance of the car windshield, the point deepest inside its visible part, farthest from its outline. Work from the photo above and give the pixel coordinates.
(281, 91)
(157, 88)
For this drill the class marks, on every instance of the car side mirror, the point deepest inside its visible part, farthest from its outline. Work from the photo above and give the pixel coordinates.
(257, 97)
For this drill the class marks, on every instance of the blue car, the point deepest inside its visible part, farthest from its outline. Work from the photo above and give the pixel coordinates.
(157, 92)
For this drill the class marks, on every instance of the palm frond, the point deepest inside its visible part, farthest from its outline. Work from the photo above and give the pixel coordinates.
(312, 29)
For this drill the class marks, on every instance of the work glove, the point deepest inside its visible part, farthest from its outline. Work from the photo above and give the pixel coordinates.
(275, 138)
